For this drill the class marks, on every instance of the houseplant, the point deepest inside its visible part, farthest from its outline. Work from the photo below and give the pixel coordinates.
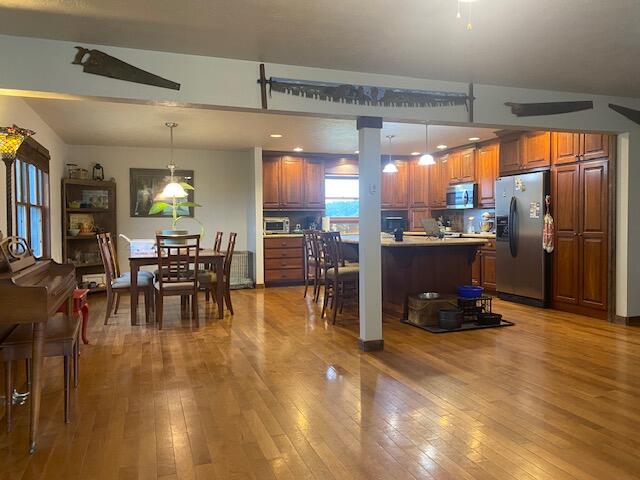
(176, 191)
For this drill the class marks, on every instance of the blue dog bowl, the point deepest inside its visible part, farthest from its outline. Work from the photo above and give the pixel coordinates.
(470, 291)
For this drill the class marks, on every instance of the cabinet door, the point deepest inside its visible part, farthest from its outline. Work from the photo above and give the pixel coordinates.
(453, 167)
(594, 145)
(416, 215)
(401, 185)
(271, 182)
(488, 269)
(434, 183)
(566, 257)
(292, 182)
(593, 236)
(510, 155)
(467, 165)
(387, 188)
(536, 150)
(476, 269)
(486, 173)
(418, 184)
(565, 147)
(313, 184)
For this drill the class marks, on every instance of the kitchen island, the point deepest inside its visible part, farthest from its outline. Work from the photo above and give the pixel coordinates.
(419, 264)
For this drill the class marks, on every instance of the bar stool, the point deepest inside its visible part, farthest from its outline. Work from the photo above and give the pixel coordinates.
(340, 278)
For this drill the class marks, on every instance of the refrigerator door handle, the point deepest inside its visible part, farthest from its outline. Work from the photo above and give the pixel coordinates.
(513, 226)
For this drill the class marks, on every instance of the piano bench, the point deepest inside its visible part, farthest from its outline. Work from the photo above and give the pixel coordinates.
(62, 337)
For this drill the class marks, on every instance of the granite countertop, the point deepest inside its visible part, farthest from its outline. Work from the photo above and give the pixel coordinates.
(464, 235)
(283, 235)
(417, 241)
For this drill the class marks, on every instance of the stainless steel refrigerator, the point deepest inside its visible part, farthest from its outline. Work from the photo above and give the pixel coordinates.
(521, 262)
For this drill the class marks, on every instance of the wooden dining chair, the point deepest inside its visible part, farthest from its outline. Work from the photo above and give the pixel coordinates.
(208, 280)
(178, 269)
(340, 278)
(312, 262)
(117, 284)
(217, 244)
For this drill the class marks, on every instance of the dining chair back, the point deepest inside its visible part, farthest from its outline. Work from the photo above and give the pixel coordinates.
(217, 244)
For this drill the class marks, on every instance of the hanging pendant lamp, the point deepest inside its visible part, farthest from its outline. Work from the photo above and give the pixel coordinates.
(427, 158)
(390, 166)
(173, 189)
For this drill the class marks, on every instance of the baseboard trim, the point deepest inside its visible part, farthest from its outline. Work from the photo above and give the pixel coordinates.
(627, 321)
(259, 285)
(370, 345)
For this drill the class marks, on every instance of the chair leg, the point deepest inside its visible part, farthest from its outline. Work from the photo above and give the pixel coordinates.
(67, 381)
(28, 373)
(194, 308)
(227, 298)
(325, 300)
(76, 365)
(147, 304)
(8, 392)
(115, 311)
(107, 312)
(85, 323)
(335, 300)
(207, 295)
(159, 310)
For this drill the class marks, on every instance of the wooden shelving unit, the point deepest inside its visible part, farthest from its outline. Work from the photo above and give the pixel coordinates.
(97, 200)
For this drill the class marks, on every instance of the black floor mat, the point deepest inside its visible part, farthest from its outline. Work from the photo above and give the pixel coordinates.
(465, 326)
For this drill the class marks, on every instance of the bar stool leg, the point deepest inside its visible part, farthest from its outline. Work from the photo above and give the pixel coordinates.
(67, 382)
(76, 365)
(8, 392)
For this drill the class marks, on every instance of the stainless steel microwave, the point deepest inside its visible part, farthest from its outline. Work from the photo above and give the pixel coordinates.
(463, 195)
(276, 225)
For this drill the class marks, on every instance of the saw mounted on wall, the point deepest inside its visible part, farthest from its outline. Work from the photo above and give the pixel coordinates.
(363, 94)
(630, 113)
(100, 63)
(547, 108)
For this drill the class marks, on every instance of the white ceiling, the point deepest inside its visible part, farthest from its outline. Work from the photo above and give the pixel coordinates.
(573, 45)
(85, 122)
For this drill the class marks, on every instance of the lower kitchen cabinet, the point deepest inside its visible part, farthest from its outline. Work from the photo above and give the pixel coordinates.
(483, 269)
(283, 260)
(416, 215)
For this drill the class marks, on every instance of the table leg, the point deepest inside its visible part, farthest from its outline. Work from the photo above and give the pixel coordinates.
(133, 266)
(85, 322)
(39, 332)
(220, 286)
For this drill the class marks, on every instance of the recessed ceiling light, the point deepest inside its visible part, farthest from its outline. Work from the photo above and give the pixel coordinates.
(474, 139)
(276, 135)
(357, 152)
(297, 149)
(441, 147)
(415, 153)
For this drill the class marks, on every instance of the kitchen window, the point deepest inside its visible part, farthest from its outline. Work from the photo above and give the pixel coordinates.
(341, 197)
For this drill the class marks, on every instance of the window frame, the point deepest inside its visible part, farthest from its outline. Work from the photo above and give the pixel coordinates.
(355, 219)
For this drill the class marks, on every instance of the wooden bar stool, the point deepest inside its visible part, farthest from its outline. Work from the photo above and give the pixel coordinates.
(340, 279)
(62, 337)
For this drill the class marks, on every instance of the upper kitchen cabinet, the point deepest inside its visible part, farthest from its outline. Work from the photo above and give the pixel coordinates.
(394, 190)
(523, 151)
(438, 181)
(292, 183)
(452, 160)
(486, 174)
(575, 147)
(418, 185)
(467, 165)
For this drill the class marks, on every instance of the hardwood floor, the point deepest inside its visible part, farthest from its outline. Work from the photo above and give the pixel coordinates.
(275, 392)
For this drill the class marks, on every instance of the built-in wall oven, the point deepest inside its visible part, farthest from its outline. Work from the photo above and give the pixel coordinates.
(276, 225)
(463, 195)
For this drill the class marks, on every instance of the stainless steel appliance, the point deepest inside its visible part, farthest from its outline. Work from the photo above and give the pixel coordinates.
(390, 224)
(521, 263)
(462, 195)
(276, 225)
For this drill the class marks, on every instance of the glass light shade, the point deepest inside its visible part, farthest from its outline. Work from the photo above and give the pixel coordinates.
(426, 159)
(10, 140)
(390, 167)
(174, 189)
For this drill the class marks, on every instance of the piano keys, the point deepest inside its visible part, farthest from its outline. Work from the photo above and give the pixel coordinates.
(32, 291)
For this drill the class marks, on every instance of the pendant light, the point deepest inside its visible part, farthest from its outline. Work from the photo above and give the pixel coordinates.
(390, 166)
(173, 189)
(427, 158)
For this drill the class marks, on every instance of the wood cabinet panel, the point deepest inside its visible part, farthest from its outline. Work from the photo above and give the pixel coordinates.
(510, 152)
(486, 174)
(536, 150)
(282, 262)
(282, 242)
(313, 184)
(271, 182)
(453, 167)
(565, 188)
(565, 147)
(566, 262)
(488, 259)
(418, 184)
(283, 275)
(291, 182)
(434, 183)
(593, 274)
(467, 165)
(594, 145)
(394, 188)
(283, 252)
(416, 215)
(476, 269)
(387, 185)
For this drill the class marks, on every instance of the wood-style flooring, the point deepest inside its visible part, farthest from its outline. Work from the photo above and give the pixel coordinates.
(277, 393)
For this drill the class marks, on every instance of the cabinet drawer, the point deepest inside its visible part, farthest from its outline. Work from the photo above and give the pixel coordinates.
(282, 242)
(283, 275)
(279, 263)
(283, 253)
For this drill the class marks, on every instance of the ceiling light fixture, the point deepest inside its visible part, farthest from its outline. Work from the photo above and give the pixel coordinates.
(297, 149)
(390, 166)
(173, 189)
(357, 152)
(427, 158)
(415, 153)
(459, 13)
(276, 135)
(441, 147)
(474, 139)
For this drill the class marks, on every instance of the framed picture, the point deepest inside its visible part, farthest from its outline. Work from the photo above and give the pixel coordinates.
(146, 185)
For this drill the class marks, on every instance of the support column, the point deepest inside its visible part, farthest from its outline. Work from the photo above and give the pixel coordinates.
(255, 227)
(369, 245)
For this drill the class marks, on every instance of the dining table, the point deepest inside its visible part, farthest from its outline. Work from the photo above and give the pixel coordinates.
(205, 256)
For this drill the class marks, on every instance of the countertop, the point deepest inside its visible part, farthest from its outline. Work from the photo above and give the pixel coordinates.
(283, 235)
(464, 235)
(417, 241)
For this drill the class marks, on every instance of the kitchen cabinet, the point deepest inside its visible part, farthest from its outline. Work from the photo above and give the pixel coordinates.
(283, 260)
(452, 160)
(438, 181)
(510, 154)
(580, 263)
(486, 174)
(418, 185)
(416, 215)
(394, 189)
(483, 268)
(467, 165)
(524, 151)
(292, 183)
(574, 147)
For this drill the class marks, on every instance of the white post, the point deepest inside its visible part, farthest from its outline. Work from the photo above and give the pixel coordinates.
(369, 246)
(255, 227)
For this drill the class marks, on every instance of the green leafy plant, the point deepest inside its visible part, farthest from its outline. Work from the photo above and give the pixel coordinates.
(160, 206)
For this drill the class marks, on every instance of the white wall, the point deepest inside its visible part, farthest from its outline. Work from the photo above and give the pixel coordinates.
(15, 110)
(223, 183)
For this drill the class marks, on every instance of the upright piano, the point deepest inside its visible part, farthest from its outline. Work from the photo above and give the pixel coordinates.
(32, 291)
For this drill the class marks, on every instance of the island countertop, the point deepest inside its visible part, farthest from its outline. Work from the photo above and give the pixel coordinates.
(419, 241)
